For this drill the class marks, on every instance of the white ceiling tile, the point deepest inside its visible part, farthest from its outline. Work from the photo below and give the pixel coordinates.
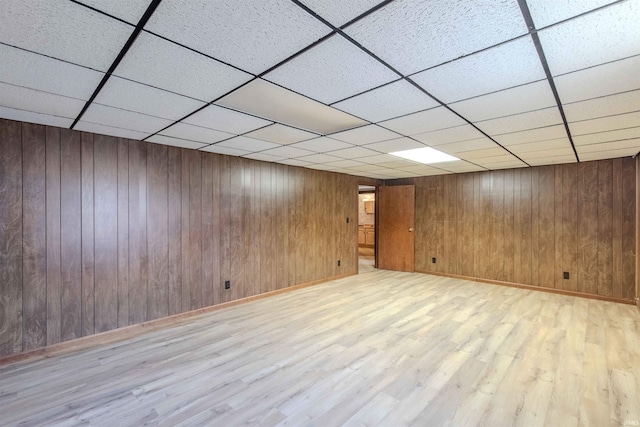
(395, 99)
(376, 160)
(321, 145)
(263, 157)
(627, 144)
(339, 12)
(326, 71)
(602, 80)
(22, 98)
(532, 135)
(424, 121)
(602, 36)
(547, 12)
(251, 34)
(133, 96)
(157, 62)
(519, 122)
(541, 146)
(460, 166)
(117, 118)
(603, 124)
(281, 134)
(247, 144)
(399, 164)
(196, 133)
(62, 29)
(607, 154)
(461, 146)
(504, 157)
(413, 36)
(532, 96)
(365, 135)
(445, 136)
(603, 107)
(354, 153)
(345, 163)
(549, 153)
(34, 71)
(320, 158)
(478, 153)
(555, 160)
(109, 130)
(270, 101)
(288, 152)
(395, 145)
(609, 136)
(423, 170)
(30, 117)
(501, 67)
(508, 164)
(176, 142)
(219, 149)
(295, 162)
(128, 10)
(364, 168)
(223, 119)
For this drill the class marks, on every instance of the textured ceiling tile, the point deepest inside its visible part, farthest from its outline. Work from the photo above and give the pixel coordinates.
(511, 64)
(281, 134)
(321, 145)
(176, 142)
(425, 121)
(532, 96)
(557, 160)
(541, 146)
(539, 134)
(109, 130)
(62, 29)
(219, 149)
(445, 136)
(320, 158)
(21, 98)
(602, 80)
(395, 145)
(479, 154)
(339, 12)
(267, 100)
(603, 124)
(223, 119)
(251, 34)
(157, 62)
(393, 100)
(365, 135)
(614, 135)
(461, 146)
(288, 152)
(34, 71)
(603, 107)
(115, 117)
(602, 36)
(519, 122)
(413, 36)
(354, 153)
(632, 144)
(326, 72)
(377, 159)
(28, 116)
(547, 12)
(606, 153)
(345, 163)
(128, 10)
(247, 144)
(132, 96)
(564, 151)
(263, 157)
(196, 133)
(295, 162)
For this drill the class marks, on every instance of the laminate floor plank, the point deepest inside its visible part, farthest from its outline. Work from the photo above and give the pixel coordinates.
(379, 348)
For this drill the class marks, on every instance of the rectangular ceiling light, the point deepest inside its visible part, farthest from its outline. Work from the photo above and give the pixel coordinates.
(426, 155)
(272, 102)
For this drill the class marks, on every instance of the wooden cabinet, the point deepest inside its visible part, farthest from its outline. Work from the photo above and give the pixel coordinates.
(366, 235)
(361, 236)
(369, 206)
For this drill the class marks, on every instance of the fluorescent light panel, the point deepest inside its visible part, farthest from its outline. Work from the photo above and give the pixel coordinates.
(426, 155)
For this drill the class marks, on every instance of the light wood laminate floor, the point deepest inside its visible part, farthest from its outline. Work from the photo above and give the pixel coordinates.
(381, 348)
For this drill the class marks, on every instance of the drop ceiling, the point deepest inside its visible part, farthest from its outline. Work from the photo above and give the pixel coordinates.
(335, 85)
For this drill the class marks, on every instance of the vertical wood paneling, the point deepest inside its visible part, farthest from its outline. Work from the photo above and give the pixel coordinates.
(174, 218)
(236, 221)
(138, 255)
(509, 237)
(209, 231)
(106, 232)
(570, 226)
(54, 313)
(185, 236)
(535, 226)
(497, 220)
(123, 232)
(546, 231)
(526, 230)
(11, 238)
(605, 227)
(34, 248)
(468, 227)
(588, 227)
(557, 226)
(195, 227)
(157, 232)
(628, 228)
(617, 228)
(252, 223)
(283, 226)
(88, 223)
(70, 235)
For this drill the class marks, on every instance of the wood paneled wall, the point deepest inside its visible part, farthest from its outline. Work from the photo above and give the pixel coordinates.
(98, 233)
(528, 226)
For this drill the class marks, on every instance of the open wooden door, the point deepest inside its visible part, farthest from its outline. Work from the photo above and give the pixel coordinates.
(396, 213)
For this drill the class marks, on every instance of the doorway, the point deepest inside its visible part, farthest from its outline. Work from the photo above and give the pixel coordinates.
(366, 228)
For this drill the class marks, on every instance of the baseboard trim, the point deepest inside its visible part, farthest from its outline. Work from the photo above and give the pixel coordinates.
(530, 287)
(132, 331)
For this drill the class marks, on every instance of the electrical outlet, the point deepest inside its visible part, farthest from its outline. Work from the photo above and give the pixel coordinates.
(565, 275)
(227, 284)
(433, 260)
(338, 263)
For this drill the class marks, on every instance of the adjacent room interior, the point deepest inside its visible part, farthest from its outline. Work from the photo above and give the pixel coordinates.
(318, 212)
